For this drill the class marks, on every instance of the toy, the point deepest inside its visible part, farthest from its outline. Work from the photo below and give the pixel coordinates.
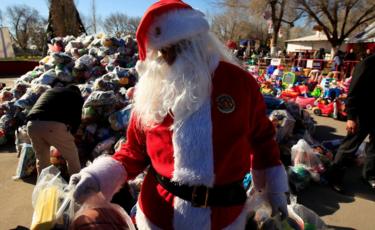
(290, 94)
(289, 78)
(278, 87)
(266, 88)
(305, 102)
(299, 177)
(317, 92)
(324, 108)
(332, 91)
(302, 89)
(315, 76)
(335, 109)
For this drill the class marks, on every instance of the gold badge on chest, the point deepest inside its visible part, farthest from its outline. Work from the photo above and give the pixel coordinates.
(225, 103)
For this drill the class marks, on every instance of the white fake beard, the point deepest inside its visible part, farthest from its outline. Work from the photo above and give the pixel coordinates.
(179, 89)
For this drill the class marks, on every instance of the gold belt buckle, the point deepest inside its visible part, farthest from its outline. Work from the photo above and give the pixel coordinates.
(195, 195)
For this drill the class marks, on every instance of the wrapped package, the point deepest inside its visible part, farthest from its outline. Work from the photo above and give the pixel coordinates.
(89, 115)
(46, 78)
(299, 177)
(7, 122)
(20, 89)
(104, 147)
(100, 98)
(21, 138)
(29, 76)
(26, 163)
(27, 100)
(306, 218)
(52, 200)
(304, 155)
(120, 119)
(284, 124)
(63, 74)
(6, 95)
(61, 58)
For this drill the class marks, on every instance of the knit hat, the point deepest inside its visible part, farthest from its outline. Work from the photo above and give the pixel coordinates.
(167, 22)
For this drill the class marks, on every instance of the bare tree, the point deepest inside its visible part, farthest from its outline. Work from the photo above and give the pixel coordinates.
(23, 21)
(229, 25)
(1, 18)
(299, 31)
(337, 18)
(38, 35)
(274, 11)
(93, 9)
(133, 24)
(119, 24)
(90, 26)
(64, 19)
(278, 12)
(235, 24)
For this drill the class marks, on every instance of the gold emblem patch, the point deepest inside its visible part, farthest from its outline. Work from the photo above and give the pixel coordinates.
(225, 103)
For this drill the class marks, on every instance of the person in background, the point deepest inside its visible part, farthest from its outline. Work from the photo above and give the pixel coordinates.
(199, 122)
(349, 62)
(360, 123)
(337, 61)
(366, 54)
(53, 121)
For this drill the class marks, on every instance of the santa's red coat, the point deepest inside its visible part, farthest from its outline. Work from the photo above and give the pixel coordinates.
(241, 139)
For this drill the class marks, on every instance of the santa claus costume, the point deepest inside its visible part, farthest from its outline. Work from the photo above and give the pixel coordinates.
(200, 124)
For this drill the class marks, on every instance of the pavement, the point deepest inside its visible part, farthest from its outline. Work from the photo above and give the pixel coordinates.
(355, 210)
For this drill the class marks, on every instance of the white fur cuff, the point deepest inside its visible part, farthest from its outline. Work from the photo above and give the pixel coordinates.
(259, 179)
(276, 180)
(272, 180)
(109, 172)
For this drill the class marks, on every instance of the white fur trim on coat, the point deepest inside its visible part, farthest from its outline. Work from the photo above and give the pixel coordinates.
(241, 220)
(193, 165)
(188, 217)
(109, 172)
(193, 151)
(175, 26)
(142, 222)
(271, 180)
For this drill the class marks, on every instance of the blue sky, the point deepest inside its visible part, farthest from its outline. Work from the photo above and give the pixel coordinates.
(106, 7)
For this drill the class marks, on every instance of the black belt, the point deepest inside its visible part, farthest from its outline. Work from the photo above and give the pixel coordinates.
(202, 196)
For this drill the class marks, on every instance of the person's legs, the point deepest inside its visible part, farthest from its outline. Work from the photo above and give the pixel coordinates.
(41, 148)
(345, 155)
(63, 140)
(369, 165)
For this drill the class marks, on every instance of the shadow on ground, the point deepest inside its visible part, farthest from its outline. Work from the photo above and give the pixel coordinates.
(321, 198)
(339, 228)
(20, 228)
(9, 147)
(323, 133)
(30, 179)
(324, 201)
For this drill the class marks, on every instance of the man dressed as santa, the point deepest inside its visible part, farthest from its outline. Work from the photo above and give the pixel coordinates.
(199, 122)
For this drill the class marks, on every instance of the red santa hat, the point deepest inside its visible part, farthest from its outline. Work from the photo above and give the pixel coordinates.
(167, 22)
